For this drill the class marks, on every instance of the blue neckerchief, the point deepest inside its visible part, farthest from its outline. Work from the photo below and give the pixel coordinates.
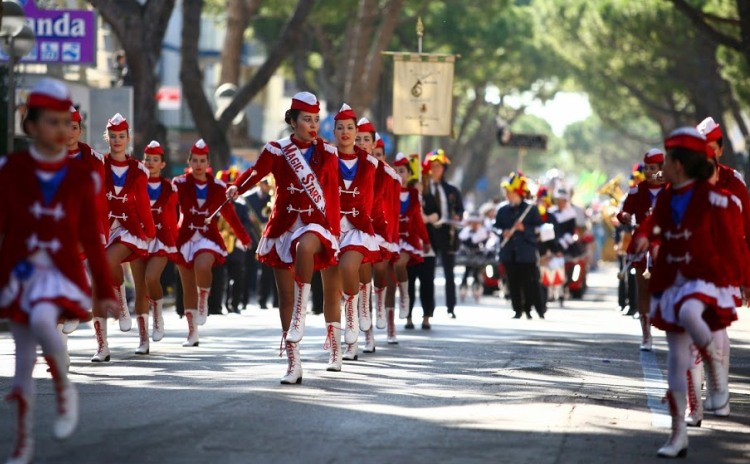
(347, 173)
(49, 187)
(201, 193)
(119, 181)
(78, 155)
(679, 205)
(154, 192)
(308, 154)
(652, 196)
(405, 205)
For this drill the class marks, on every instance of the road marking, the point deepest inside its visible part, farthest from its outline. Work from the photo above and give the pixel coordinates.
(655, 387)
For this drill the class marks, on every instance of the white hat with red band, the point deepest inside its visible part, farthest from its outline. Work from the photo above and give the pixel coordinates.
(307, 102)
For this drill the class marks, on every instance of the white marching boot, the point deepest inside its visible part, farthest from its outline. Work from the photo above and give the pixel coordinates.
(694, 412)
(293, 374)
(721, 340)
(677, 444)
(333, 344)
(143, 347)
(190, 316)
(403, 299)
(102, 346)
(23, 453)
(717, 383)
(67, 397)
(202, 314)
(70, 326)
(379, 307)
(365, 319)
(369, 341)
(299, 313)
(351, 318)
(123, 316)
(351, 352)
(156, 308)
(647, 340)
(392, 340)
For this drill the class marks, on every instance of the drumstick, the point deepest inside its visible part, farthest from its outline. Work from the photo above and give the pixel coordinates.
(213, 215)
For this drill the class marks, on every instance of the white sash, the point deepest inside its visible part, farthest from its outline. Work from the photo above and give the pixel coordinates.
(304, 173)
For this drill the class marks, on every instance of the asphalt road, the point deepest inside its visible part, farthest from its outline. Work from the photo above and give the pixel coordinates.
(482, 388)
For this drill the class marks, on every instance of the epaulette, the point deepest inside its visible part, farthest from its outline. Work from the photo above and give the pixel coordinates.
(329, 148)
(180, 179)
(717, 199)
(97, 155)
(737, 202)
(738, 176)
(171, 184)
(372, 160)
(143, 168)
(273, 148)
(220, 183)
(97, 182)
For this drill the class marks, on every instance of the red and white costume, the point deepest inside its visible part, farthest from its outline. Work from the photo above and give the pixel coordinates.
(198, 200)
(357, 175)
(94, 161)
(129, 211)
(700, 257)
(639, 204)
(39, 249)
(412, 230)
(162, 195)
(294, 212)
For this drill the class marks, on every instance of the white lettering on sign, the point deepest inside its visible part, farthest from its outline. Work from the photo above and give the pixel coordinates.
(62, 26)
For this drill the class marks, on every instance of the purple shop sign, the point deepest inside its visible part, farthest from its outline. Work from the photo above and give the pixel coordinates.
(62, 36)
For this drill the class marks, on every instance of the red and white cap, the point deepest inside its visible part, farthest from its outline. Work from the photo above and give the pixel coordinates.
(379, 143)
(49, 94)
(401, 160)
(154, 148)
(346, 112)
(199, 148)
(307, 102)
(710, 129)
(364, 125)
(117, 123)
(688, 138)
(653, 156)
(75, 116)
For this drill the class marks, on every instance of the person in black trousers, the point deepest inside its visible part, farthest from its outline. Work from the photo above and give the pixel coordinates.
(516, 222)
(443, 207)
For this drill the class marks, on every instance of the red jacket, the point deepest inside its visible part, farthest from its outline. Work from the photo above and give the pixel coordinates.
(164, 212)
(356, 200)
(291, 198)
(393, 207)
(708, 244)
(638, 203)
(732, 181)
(68, 221)
(385, 208)
(193, 216)
(411, 226)
(131, 207)
(94, 162)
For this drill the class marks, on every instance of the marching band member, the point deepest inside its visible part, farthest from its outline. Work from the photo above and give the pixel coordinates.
(48, 210)
(302, 232)
(732, 181)
(358, 246)
(131, 226)
(147, 271)
(699, 259)
(414, 240)
(637, 205)
(199, 241)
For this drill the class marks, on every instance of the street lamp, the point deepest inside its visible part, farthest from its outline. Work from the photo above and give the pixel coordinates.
(19, 40)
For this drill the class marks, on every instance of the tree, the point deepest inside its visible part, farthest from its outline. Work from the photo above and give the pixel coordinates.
(211, 129)
(140, 28)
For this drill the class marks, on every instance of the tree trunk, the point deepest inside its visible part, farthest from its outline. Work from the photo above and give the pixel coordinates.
(141, 29)
(191, 78)
(239, 14)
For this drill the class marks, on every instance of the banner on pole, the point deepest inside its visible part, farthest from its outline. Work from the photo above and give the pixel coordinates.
(423, 94)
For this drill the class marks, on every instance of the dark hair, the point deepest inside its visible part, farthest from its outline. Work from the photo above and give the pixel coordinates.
(32, 115)
(695, 163)
(291, 115)
(720, 142)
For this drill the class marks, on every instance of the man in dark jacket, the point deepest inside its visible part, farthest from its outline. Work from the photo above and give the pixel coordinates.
(443, 206)
(516, 221)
